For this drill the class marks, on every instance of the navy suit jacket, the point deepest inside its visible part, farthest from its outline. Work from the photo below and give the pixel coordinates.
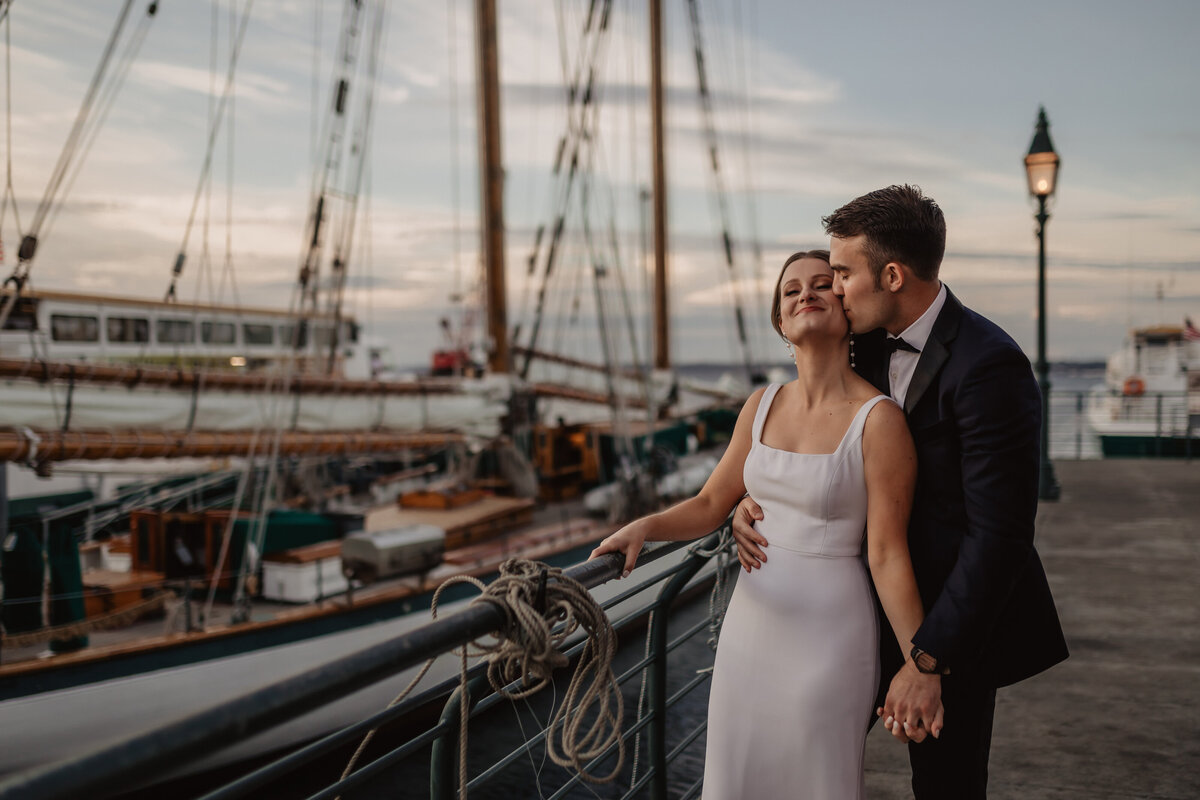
(975, 412)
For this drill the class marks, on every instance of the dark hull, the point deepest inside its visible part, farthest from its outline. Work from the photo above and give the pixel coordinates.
(1150, 446)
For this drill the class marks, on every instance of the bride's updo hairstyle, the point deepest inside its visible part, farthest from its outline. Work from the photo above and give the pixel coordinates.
(776, 313)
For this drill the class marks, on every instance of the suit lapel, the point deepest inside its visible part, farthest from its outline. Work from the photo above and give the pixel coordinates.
(936, 350)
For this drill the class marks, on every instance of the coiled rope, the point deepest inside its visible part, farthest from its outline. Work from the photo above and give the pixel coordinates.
(542, 608)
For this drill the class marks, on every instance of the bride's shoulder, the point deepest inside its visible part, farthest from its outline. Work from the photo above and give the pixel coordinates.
(750, 407)
(886, 421)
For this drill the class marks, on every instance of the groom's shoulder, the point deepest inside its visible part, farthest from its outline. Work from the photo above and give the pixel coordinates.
(978, 335)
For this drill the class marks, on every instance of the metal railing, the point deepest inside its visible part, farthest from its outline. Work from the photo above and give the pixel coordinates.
(134, 761)
(1151, 425)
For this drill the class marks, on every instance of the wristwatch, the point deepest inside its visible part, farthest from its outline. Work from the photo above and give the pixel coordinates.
(927, 662)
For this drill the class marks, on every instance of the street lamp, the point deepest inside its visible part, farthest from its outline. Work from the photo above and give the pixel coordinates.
(1041, 167)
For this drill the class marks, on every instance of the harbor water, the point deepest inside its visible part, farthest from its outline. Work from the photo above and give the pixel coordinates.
(1070, 383)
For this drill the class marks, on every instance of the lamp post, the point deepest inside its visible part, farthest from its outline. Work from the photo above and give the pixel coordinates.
(1041, 167)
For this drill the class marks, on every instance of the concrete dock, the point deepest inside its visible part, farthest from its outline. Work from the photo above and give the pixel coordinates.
(1120, 718)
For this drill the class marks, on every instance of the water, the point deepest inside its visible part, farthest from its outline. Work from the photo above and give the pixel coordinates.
(1070, 435)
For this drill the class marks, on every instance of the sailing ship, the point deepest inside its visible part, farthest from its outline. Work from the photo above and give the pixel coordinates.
(202, 381)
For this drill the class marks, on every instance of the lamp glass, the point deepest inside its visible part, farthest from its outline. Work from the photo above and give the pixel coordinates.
(1042, 169)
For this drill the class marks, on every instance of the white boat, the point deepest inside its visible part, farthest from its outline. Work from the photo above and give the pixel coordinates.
(1149, 404)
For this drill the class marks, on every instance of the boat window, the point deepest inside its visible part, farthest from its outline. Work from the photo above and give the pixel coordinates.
(352, 332)
(23, 316)
(175, 331)
(323, 335)
(257, 334)
(74, 328)
(217, 332)
(127, 330)
(287, 332)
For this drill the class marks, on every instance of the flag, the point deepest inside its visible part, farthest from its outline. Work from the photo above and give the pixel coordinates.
(1190, 331)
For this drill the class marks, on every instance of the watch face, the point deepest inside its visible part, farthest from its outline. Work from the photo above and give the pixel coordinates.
(926, 663)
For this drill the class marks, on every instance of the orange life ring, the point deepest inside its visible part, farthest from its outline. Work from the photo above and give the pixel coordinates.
(1134, 387)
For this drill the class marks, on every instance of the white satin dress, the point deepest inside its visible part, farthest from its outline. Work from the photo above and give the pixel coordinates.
(797, 665)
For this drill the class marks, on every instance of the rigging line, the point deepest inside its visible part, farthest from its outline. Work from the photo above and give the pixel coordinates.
(556, 199)
(205, 270)
(29, 241)
(104, 107)
(719, 188)
(329, 113)
(758, 267)
(8, 184)
(360, 141)
(64, 159)
(277, 403)
(634, 176)
(208, 156)
(534, 254)
(227, 266)
(582, 132)
(346, 67)
(315, 93)
(596, 153)
(5, 5)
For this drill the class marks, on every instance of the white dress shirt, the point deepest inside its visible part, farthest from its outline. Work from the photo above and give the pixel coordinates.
(903, 363)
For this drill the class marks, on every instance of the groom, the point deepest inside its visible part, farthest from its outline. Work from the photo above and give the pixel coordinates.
(975, 414)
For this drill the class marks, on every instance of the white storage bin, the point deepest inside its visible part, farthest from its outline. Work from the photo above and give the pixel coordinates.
(303, 582)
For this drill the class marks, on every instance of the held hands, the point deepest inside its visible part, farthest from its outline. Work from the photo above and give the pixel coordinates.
(913, 708)
(628, 540)
(749, 541)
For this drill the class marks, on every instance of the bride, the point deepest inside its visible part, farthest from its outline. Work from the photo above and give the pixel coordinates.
(831, 463)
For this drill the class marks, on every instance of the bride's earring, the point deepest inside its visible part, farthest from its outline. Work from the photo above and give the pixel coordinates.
(788, 345)
(852, 351)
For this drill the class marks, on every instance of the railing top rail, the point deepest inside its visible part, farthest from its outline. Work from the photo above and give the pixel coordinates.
(110, 768)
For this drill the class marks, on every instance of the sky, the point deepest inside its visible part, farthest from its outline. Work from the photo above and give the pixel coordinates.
(813, 104)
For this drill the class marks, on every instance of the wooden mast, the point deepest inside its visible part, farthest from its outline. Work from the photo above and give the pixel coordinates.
(662, 344)
(492, 184)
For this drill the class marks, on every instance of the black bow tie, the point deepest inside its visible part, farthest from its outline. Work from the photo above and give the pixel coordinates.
(894, 344)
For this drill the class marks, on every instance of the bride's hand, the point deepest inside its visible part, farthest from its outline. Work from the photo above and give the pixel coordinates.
(628, 540)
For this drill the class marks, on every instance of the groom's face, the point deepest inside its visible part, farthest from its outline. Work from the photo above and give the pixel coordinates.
(868, 306)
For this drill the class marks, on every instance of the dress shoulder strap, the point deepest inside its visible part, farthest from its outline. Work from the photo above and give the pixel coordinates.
(860, 418)
(764, 407)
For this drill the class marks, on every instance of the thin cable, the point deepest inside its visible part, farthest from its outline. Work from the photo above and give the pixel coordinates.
(8, 182)
(104, 105)
(212, 139)
(68, 151)
(227, 270)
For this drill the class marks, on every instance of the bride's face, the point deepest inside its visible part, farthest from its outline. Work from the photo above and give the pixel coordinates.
(807, 304)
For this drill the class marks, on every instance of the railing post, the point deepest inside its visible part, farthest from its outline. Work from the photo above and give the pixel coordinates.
(1187, 433)
(443, 759)
(656, 689)
(1158, 424)
(1078, 426)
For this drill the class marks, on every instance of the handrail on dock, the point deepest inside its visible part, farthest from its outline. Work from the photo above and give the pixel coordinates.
(138, 760)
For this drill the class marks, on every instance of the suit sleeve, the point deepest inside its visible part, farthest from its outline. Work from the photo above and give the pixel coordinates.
(998, 412)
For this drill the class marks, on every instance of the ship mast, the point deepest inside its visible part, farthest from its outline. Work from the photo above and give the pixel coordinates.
(662, 349)
(491, 194)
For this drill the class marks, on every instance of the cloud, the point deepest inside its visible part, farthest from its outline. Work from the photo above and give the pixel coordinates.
(249, 86)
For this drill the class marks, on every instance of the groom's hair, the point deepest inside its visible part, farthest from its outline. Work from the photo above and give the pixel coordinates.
(777, 301)
(898, 224)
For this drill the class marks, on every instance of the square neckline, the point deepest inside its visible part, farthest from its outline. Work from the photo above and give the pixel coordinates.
(868, 403)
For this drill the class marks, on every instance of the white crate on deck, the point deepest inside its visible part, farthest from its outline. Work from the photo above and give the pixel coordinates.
(304, 581)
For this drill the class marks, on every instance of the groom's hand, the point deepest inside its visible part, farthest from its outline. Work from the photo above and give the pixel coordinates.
(749, 541)
(913, 708)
